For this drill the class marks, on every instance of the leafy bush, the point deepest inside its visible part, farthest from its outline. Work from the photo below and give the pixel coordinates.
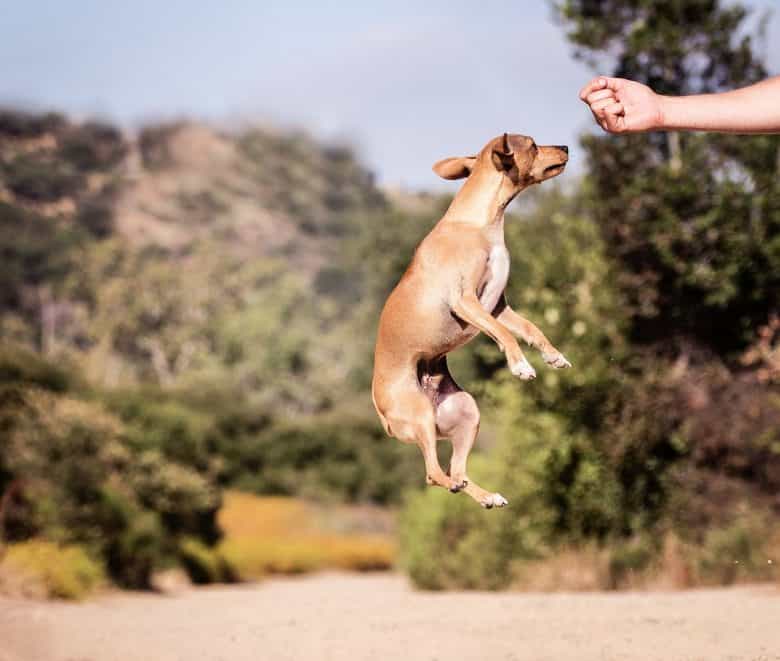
(445, 546)
(66, 571)
(93, 146)
(96, 214)
(159, 421)
(204, 564)
(41, 179)
(34, 250)
(82, 483)
(628, 558)
(185, 500)
(20, 365)
(737, 552)
(20, 124)
(328, 457)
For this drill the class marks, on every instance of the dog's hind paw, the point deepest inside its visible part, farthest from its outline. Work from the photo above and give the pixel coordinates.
(456, 488)
(556, 359)
(523, 370)
(494, 500)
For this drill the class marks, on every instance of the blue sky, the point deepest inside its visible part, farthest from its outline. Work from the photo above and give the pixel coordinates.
(405, 82)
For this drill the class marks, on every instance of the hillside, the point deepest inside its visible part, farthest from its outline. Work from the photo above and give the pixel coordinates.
(180, 227)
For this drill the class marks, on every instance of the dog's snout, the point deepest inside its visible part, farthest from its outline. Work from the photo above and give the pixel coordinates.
(563, 148)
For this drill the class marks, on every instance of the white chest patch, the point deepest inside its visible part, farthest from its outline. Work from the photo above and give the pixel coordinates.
(496, 276)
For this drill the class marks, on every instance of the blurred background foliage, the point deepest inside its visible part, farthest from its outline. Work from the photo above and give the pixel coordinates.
(189, 311)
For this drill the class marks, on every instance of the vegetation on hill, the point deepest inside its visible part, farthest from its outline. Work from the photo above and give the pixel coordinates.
(190, 311)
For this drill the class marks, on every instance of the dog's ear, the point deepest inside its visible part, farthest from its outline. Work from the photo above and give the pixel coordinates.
(503, 157)
(455, 168)
(501, 146)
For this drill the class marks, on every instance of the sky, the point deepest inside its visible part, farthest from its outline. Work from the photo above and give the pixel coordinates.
(406, 83)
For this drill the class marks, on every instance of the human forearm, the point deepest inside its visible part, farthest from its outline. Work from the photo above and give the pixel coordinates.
(753, 109)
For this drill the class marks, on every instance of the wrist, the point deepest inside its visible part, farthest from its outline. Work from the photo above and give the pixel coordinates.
(665, 116)
(681, 113)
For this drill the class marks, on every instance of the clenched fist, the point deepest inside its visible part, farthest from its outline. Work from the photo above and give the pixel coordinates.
(621, 106)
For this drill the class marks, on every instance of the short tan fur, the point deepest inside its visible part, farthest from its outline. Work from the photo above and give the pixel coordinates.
(453, 290)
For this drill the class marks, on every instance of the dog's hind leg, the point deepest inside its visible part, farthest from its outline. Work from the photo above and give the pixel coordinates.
(457, 418)
(412, 421)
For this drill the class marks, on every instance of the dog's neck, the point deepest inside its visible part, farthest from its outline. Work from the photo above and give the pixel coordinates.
(481, 201)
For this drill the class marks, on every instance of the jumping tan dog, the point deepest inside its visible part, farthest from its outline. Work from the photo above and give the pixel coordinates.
(453, 289)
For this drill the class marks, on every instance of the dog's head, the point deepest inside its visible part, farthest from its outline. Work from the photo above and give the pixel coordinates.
(517, 157)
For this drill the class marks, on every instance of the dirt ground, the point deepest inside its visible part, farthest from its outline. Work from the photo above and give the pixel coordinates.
(344, 617)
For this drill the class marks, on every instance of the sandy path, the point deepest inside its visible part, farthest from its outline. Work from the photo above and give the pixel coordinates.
(345, 617)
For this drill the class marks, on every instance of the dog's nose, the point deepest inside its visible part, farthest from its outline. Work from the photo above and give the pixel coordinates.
(563, 148)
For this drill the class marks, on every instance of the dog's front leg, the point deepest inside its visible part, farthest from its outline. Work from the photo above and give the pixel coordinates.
(470, 310)
(529, 333)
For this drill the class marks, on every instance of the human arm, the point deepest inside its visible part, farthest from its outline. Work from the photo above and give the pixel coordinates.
(625, 106)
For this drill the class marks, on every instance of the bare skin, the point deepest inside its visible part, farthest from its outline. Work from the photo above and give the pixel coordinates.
(453, 290)
(625, 106)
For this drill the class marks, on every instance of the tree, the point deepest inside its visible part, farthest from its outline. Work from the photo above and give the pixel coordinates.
(692, 225)
(693, 221)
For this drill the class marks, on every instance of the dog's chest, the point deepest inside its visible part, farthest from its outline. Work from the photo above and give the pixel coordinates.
(495, 278)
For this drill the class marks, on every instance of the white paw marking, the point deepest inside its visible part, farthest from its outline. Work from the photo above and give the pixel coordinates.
(556, 360)
(494, 500)
(523, 370)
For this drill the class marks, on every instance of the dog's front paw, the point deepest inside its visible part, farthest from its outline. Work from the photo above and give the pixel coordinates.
(494, 500)
(523, 370)
(556, 359)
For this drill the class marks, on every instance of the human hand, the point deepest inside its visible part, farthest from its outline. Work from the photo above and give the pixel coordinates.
(623, 106)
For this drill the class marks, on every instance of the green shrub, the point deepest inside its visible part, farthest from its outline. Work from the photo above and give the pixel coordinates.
(41, 179)
(34, 250)
(735, 552)
(66, 571)
(83, 483)
(628, 559)
(448, 542)
(93, 146)
(22, 366)
(204, 564)
(445, 544)
(20, 124)
(134, 553)
(96, 214)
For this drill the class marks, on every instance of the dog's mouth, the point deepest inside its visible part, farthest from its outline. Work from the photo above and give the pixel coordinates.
(552, 170)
